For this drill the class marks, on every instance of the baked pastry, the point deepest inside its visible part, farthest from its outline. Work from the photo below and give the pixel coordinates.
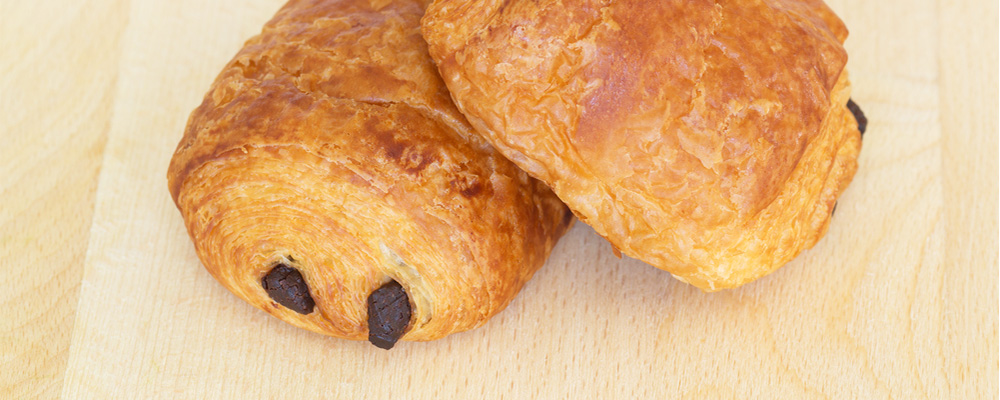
(710, 139)
(328, 180)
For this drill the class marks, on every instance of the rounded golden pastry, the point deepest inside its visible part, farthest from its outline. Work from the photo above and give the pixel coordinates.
(327, 161)
(710, 139)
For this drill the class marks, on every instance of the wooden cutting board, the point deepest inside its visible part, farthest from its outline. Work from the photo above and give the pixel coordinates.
(104, 298)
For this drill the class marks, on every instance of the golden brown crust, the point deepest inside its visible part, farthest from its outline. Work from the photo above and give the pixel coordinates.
(709, 139)
(330, 144)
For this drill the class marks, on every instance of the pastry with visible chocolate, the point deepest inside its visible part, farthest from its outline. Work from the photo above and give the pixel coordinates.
(328, 179)
(707, 138)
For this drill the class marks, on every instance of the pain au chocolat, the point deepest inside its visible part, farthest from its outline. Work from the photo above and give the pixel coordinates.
(328, 180)
(707, 138)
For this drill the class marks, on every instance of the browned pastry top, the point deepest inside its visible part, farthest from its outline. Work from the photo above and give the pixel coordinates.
(708, 138)
(315, 50)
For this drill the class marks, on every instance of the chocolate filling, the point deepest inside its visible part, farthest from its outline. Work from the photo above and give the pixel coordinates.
(388, 315)
(858, 115)
(286, 286)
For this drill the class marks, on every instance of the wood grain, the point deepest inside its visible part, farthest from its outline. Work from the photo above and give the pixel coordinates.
(56, 98)
(898, 301)
(968, 98)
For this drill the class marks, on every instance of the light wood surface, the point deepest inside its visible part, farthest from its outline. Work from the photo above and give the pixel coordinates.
(104, 297)
(58, 63)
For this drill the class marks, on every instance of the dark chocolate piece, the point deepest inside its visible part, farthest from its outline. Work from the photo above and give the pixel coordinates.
(388, 315)
(286, 286)
(858, 115)
(834, 209)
